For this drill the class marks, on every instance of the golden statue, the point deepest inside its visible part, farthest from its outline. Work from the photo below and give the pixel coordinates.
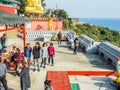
(34, 6)
(116, 82)
(50, 25)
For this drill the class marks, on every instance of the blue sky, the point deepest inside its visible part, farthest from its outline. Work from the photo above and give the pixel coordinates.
(88, 8)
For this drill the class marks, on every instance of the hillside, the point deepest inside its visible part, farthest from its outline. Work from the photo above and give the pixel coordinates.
(98, 33)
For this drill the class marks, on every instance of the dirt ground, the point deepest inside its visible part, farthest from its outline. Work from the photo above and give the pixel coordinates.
(64, 61)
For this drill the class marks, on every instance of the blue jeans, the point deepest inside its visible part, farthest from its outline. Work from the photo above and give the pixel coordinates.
(4, 82)
(37, 63)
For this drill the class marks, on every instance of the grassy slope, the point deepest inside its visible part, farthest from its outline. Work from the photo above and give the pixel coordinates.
(98, 33)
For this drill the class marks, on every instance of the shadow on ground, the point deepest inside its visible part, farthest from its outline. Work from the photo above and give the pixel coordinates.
(94, 59)
(64, 46)
(12, 73)
(64, 52)
(98, 61)
(104, 83)
(1, 88)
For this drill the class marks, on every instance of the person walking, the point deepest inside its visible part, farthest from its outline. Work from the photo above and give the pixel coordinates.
(36, 56)
(51, 52)
(24, 77)
(44, 54)
(27, 53)
(59, 37)
(76, 45)
(3, 40)
(3, 70)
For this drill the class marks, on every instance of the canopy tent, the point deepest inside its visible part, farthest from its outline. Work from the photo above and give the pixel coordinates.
(9, 2)
(11, 22)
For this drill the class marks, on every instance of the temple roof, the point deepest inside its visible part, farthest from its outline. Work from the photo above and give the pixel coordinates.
(11, 19)
(9, 2)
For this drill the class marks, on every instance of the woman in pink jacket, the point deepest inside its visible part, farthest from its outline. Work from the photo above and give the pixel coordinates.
(51, 52)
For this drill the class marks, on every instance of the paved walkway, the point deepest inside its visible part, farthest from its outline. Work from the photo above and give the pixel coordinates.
(64, 61)
(93, 82)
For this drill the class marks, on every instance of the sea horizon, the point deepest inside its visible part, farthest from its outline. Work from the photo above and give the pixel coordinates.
(111, 23)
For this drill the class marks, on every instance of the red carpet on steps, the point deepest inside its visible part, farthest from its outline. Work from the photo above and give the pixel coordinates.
(60, 80)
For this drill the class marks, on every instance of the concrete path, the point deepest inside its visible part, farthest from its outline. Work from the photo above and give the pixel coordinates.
(64, 61)
(93, 82)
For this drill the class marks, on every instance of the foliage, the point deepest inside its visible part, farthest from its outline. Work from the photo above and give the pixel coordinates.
(22, 6)
(98, 33)
(43, 3)
(65, 24)
(62, 14)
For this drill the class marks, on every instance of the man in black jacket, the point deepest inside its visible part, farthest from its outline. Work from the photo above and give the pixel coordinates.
(36, 56)
(59, 37)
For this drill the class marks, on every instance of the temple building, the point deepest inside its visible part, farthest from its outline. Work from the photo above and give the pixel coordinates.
(9, 6)
(10, 21)
(34, 11)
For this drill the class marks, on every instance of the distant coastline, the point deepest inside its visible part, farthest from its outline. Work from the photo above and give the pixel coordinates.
(111, 23)
(107, 30)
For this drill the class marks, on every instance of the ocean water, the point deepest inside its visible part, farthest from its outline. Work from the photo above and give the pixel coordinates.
(113, 24)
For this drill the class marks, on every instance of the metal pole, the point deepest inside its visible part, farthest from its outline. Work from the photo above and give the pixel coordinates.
(24, 35)
(56, 17)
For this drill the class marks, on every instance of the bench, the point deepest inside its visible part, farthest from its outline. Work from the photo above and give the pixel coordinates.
(109, 52)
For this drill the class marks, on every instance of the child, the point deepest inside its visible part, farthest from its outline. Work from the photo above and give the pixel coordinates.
(47, 84)
(12, 54)
(36, 56)
(27, 52)
(44, 54)
(14, 49)
(24, 77)
(51, 52)
(17, 59)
